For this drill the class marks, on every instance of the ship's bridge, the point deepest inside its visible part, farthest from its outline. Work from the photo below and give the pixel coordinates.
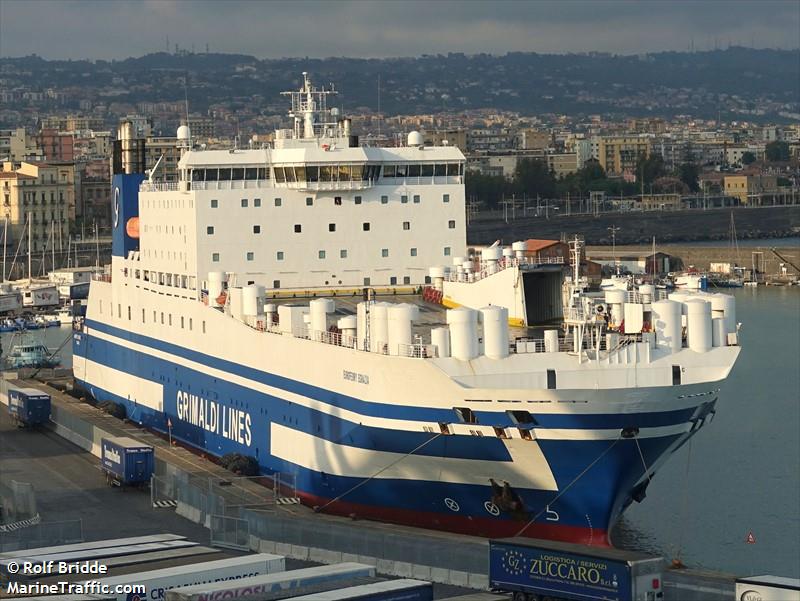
(322, 168)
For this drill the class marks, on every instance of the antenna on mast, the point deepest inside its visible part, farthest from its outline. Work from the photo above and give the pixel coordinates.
(186, 100)
(380, 117)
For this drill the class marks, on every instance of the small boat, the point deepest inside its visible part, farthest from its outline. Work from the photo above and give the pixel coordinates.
(30, 353)
(47, 321)
(65, 315)
(9, 325)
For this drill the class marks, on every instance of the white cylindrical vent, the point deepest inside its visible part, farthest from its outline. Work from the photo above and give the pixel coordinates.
(399, 321)
(648, 293)
(698, 325)
(724, 305)
(551, 341)
(495, 331)
(347, 326)
(440, 338)
(681, 297)
(361, 325)
(463, 324)
(717, 306)
(215, 286)
(493, 253)
(666, 316)
(379, 327)
(319, 308)
(252, 300)
(508, 252)
(615, 296)
(270, 309)
(719, 334)
(519, 248)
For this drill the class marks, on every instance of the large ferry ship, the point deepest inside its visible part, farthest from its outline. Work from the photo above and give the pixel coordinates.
(403, 411)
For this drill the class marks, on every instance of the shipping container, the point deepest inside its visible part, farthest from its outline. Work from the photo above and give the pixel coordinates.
(125, 461)
(390, 590)
(259, 587)
(28, 407)
(767, 588)
(527, 567)
(158, 582)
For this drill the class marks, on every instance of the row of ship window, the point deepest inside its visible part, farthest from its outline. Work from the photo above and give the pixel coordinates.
(322, 254)
(298, 228)
(167, 321)
(337, 200)
(327, 173)
(393, 281)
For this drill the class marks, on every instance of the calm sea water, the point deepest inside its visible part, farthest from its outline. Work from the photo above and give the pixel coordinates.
(742, 471)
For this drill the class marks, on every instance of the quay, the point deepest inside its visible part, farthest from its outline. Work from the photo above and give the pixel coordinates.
(240, 513)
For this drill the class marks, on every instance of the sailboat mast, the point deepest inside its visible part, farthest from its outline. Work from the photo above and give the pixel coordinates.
(30, 251)
(5, 246)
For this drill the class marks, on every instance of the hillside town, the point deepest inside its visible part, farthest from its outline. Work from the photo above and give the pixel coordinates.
(56, 141)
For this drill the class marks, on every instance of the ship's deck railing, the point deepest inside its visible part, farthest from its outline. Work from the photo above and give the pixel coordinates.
(567, 345)
(634, 296)
(501, 265)
(146, 186)
(101, 277)
(327, 186)
(417, 350)
(235, 184)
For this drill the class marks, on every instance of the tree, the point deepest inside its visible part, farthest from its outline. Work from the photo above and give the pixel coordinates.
(748, 158)
(650, 168)
(777, 151)
(689, 174)
(532, 178)
(488, 189)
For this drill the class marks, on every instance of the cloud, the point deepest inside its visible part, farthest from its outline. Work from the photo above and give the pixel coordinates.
(122, 28)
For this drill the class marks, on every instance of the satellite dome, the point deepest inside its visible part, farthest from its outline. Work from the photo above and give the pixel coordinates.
(183, 132)
(415, 139)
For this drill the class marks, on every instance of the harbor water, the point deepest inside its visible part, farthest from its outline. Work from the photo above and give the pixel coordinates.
(741, 473)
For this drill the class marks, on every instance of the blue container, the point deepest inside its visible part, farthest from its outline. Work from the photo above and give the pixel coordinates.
(28, 406)
(125, 461)
(569, 571)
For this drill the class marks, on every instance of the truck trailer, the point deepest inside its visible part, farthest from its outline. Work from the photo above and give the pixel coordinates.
(767, 588)
(28, 407)
(126, 462)
(157, 582)
(263, 587)
(533, 569)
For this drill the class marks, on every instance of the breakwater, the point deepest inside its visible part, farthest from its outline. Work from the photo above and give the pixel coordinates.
(639, 227)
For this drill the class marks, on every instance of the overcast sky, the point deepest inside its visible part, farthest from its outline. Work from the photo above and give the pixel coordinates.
(121, 28)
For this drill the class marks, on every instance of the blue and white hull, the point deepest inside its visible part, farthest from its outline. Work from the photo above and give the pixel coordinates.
(366, 429)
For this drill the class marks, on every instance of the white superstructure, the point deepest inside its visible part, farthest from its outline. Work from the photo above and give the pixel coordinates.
(314, 210)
